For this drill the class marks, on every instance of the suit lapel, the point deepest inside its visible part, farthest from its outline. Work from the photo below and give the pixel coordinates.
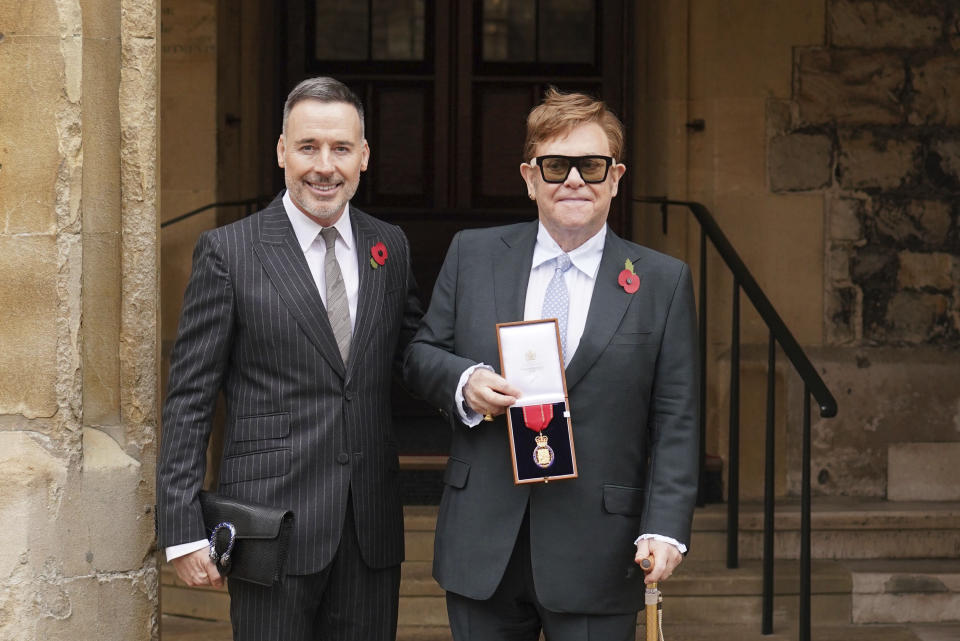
(511, 262)
(371, 287)
(607, 307)
(283, 260)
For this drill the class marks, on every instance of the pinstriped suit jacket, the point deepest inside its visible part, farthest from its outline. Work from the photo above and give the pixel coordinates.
(302, 428)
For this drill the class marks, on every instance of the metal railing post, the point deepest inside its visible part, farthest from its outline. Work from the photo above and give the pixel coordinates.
(733, 453)
(805, 577)
(769, 488)
(702, 337)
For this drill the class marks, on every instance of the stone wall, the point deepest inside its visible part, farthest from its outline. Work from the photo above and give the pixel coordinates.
(78, 303)
(830, 158)
(874, 125)
(720, 61)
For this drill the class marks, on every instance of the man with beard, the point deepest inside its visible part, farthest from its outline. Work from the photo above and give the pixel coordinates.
(298, 314)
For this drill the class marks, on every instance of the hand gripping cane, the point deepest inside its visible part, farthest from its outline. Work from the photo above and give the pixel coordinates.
(653, 605)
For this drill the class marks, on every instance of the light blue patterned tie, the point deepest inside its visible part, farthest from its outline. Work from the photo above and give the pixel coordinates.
(556, 302)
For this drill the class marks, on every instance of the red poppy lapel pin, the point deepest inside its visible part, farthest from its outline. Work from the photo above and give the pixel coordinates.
(628, 278)
(378, 255)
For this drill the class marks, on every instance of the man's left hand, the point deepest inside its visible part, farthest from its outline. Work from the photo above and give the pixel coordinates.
(666, 558)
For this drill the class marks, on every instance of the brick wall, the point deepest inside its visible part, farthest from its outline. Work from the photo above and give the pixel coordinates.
(873, 123)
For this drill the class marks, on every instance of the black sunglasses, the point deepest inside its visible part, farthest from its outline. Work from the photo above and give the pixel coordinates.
(555, 169)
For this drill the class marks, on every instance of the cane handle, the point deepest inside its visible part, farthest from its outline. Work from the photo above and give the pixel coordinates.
(647, 564)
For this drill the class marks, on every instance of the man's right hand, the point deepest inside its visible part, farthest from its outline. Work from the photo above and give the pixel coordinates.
(487, 392)
(196, 569)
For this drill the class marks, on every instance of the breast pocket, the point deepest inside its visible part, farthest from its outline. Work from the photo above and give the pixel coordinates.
(634, 338)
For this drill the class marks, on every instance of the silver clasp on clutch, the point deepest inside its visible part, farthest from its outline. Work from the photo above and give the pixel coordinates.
(222, 560)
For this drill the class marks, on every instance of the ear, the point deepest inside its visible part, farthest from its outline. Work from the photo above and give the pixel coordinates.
(616, 171)
(280, 151)
(364, 155)
(529, 173)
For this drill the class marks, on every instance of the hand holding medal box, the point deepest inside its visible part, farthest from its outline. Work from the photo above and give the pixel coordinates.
(539, 427)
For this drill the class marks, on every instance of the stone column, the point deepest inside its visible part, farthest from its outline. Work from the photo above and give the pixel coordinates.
(78, 319)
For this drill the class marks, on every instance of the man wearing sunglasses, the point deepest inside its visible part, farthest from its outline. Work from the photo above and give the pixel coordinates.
(561, 557)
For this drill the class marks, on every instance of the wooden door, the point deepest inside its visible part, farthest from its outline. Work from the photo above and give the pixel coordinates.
(447, 85)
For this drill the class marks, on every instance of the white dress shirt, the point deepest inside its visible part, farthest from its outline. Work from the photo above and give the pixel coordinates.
(580, 281)
(314, 250)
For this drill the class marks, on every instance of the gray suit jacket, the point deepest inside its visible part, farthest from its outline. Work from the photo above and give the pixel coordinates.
(302, 428)
(633, 398)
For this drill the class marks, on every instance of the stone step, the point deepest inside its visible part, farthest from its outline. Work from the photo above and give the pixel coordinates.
(842, 528)
(419, 522)
(424, 633)
(177, 599)
(819, 632)
(906, 591)
(699, 592)
(703, 590)
(923, 471)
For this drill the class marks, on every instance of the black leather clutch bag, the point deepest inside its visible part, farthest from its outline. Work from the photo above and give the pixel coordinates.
(248, 541)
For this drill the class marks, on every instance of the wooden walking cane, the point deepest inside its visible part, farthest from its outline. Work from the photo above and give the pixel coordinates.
(652, 603)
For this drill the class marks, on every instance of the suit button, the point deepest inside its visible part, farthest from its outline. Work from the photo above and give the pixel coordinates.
(348, 395)
(343, 458)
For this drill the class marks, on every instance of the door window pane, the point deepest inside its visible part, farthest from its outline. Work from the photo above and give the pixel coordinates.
(567, 30)
(341, 30)
(509, 30)
(502, 126)
(401, 143)
(548, 31)
(398, 29)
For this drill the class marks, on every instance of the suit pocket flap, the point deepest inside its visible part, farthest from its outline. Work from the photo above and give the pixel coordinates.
(634, 338)
(252, 428)
(255, 465)
(456, 473)
(620, 499)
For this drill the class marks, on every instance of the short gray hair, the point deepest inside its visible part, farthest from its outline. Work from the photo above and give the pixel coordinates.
(324, 89)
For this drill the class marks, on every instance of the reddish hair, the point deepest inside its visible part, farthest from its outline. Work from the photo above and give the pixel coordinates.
(560, 113)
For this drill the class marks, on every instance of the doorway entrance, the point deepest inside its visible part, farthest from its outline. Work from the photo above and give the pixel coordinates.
(447, 86)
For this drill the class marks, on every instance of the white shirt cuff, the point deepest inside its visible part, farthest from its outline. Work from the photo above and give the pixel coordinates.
(666, 539)
(176, 551)
(467, 415)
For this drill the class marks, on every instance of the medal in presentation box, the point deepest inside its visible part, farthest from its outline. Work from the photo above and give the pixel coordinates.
(541, 436)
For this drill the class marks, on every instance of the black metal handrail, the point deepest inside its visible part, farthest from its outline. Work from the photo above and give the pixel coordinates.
(813, 385)
(250, 205)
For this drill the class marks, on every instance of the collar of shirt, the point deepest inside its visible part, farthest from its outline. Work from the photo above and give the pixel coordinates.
(585, 258)
(306, 229)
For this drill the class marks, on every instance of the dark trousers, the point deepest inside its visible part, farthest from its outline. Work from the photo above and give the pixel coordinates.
(346, 601)
(514, 613)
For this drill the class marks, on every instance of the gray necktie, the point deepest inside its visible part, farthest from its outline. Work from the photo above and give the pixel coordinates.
(556, 301)
(338, 309)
